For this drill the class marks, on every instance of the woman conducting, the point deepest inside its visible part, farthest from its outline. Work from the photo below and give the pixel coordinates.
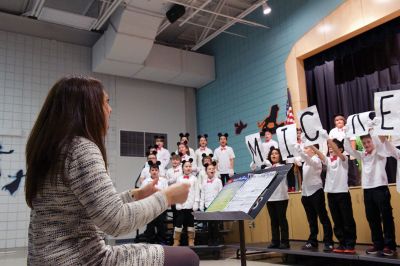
(74, 203)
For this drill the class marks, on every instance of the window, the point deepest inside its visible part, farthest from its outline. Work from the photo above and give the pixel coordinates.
(134, 143)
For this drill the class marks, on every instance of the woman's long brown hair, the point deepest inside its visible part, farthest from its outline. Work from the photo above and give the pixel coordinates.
(73, 107)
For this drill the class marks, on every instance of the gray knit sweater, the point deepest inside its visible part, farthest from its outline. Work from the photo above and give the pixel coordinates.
(68, 220)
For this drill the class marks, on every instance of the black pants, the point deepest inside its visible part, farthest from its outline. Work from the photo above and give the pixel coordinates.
(173, 209)
(379, 210)
(213, 235)
(291, 178)
(157, 224)
(342, 214)
(314, 206)
(184, 218)
(354, 178)
(224, 178)
(279, 223)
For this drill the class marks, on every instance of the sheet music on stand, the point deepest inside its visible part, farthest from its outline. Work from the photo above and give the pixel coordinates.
(244, 198)
(249, 192)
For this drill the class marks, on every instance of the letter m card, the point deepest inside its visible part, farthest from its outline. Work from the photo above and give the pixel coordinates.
(253, 143)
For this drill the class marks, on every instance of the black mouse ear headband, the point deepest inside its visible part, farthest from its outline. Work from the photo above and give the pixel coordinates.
(181, 135)
(152, 152)
(156, 164)
(214, 163)
(202, 136)
(190, 160)
(223, 135)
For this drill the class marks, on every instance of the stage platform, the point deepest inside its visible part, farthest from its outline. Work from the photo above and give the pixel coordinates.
(296, 250)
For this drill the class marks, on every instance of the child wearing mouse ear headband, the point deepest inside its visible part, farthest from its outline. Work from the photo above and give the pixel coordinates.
(225, 158)
(184, 211)
(158, 223)
(201, 150)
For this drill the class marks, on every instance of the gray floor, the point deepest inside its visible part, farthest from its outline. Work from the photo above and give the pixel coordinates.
(17, 257)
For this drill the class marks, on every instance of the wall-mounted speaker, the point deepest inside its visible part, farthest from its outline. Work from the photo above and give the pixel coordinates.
(175, 12)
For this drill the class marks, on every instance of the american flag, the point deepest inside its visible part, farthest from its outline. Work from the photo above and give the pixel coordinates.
(289, 110)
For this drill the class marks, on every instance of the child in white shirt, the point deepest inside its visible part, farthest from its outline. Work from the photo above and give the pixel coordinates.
(183, 151)
(313, 199)
(184, 211)
(374, 182)
(203, 149)
(268, 143)
(158, 223)
(162, 154)
(339, 199)
(184, 138)
(210, 187)
(176, 170)
(225, 158)
(145, 173)
(339, 133)
(277, 204)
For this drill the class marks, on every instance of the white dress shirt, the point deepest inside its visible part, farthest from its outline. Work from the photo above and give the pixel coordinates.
(373, 173)
(173, 174)
(339, 133)
(161, 184)
(209, 190)
(281, 192)
(336, 175)
(163, 156)
(312, 169)
(223, 155)
(190, 202)
(199, 156)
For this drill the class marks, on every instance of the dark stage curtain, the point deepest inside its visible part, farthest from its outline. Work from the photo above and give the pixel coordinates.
(344, 78)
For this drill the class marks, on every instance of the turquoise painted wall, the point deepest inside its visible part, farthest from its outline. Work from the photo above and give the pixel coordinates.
(250, 72)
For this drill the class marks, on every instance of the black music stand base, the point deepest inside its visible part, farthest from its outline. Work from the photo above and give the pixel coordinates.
(242, 244)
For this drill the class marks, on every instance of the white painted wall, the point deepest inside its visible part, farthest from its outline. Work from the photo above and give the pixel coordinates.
(150, 107)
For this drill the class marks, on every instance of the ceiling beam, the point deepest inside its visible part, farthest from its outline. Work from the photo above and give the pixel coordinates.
(211, 28)
(104, 17)
(236, 19)
(228, 25)
(212, 19)
(194, 12)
